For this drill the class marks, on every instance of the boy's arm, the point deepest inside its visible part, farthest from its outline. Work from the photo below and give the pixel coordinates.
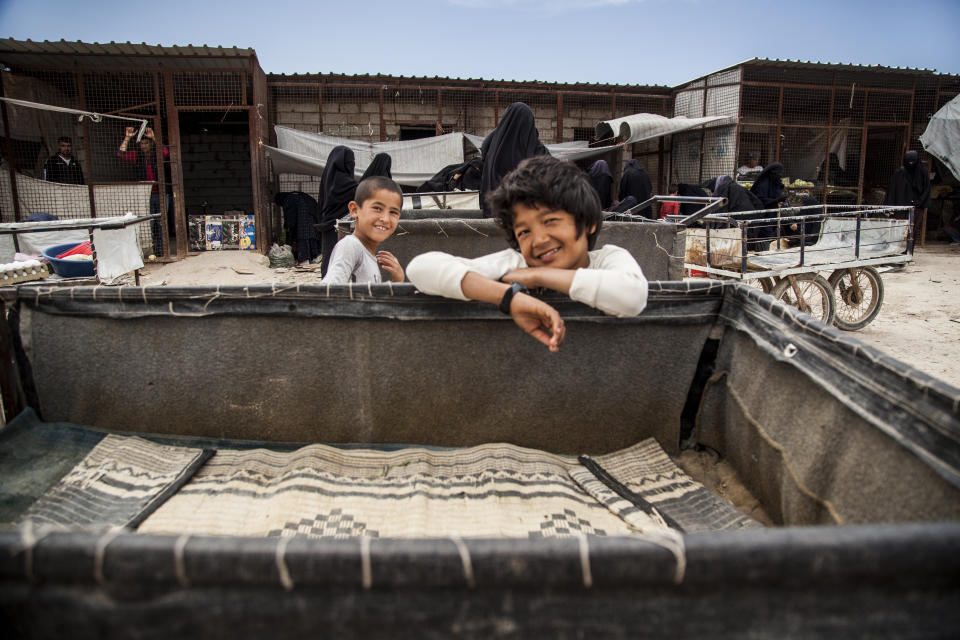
(438, 273)
(343, 260)
(614, 282)
(535, 317)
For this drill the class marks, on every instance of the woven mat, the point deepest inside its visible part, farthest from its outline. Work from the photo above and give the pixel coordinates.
(118, 484)
(492, 490)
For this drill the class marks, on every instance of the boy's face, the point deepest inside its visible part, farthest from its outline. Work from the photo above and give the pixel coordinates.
(548, 238)
(376, 219)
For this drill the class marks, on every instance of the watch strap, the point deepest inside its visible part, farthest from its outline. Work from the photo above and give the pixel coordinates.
(515, 288)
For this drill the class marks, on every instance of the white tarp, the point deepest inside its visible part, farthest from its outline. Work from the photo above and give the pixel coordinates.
(118, 250)
(941, 138)
(647, 126)
(413, 161)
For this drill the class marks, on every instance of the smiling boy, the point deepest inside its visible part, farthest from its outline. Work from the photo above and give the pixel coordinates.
(551, 215)
(376, 211)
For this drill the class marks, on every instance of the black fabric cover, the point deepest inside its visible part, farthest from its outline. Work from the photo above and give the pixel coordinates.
(515, 139)
(463, 176)
(379, 166)
(811, 419)
(602, 180)
(300, 217)
(690, 190)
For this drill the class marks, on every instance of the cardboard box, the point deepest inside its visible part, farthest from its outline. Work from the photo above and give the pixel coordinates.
(248, 232)
(214, 232)
(197, 232)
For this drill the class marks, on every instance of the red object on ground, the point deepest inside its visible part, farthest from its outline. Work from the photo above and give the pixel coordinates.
(83, 247)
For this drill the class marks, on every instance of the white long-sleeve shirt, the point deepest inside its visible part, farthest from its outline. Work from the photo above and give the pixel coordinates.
(612, 282)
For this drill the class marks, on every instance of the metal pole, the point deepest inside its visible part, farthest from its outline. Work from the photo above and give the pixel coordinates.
(8, 144)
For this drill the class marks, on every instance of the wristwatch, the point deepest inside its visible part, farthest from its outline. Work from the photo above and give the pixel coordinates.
(515, 288)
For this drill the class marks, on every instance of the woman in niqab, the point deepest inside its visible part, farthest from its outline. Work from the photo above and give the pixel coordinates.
(337, 188)
(602, 180)
(910, 186)
(636, 182)
(515, 139)
(379, 166)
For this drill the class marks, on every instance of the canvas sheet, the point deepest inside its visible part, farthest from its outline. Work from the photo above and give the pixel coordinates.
(648, 126)
(413, 161)
(491, 490)
(941, 138)
(117, 484)
(837, 244)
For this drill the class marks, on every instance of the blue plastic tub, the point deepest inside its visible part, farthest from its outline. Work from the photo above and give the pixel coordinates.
(68, 268)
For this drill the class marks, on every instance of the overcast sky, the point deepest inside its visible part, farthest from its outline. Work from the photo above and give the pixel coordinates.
(664, 42)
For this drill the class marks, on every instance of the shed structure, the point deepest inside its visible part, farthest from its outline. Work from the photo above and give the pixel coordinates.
(380, 108)
(205, 105)
(842, 127)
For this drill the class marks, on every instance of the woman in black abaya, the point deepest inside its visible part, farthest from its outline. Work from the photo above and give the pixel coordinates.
(602, 180)
(337, 188)
(515, 139)
(769, 186)
(910, 186)
(379, 166)
(300, 216)
(635, 182)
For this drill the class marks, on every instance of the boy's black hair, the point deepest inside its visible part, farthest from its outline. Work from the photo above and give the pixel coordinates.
(369, 186)
(64, 139)
(552, 183)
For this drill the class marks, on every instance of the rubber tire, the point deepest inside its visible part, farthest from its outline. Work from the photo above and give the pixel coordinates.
(839, 280)
(766, 284)
(807, 281)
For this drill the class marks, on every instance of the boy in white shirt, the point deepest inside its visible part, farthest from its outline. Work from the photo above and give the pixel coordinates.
(376, 211)
(552, 216)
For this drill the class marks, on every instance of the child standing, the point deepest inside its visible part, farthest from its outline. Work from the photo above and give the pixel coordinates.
(551, 215)
(376, 211)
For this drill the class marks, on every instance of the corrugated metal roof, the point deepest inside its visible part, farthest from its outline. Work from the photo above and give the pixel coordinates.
(512, 84)
(825, 66)
(119, 54)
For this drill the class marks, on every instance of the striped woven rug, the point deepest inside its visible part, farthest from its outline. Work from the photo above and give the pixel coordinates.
(491, 490)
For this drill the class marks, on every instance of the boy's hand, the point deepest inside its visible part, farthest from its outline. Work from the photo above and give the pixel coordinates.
(130, 132)
(538, 319)
(526, 276)
(542, 277)
(148, 133)
(389, 263)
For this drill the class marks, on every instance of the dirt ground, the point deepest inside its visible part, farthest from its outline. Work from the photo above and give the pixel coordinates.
(919, 323)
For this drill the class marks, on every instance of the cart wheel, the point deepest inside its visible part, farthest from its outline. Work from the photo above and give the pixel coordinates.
(858, 305)
(766, 284)
(815, 295)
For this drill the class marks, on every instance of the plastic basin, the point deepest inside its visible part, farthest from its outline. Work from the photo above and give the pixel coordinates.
(68, 268)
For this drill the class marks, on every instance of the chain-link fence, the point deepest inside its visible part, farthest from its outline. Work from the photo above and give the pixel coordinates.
(199, 156)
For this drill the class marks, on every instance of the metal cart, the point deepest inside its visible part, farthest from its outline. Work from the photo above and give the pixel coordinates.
(784, 251)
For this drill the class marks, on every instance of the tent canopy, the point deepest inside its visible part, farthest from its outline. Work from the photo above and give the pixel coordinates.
(941, 139)
(647, 126)
(416, 161)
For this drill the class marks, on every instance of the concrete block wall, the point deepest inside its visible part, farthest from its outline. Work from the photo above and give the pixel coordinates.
(216, 170)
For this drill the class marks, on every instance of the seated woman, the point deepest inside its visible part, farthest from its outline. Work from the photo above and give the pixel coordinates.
(791, 232)
(602, 180)
(636, 183)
